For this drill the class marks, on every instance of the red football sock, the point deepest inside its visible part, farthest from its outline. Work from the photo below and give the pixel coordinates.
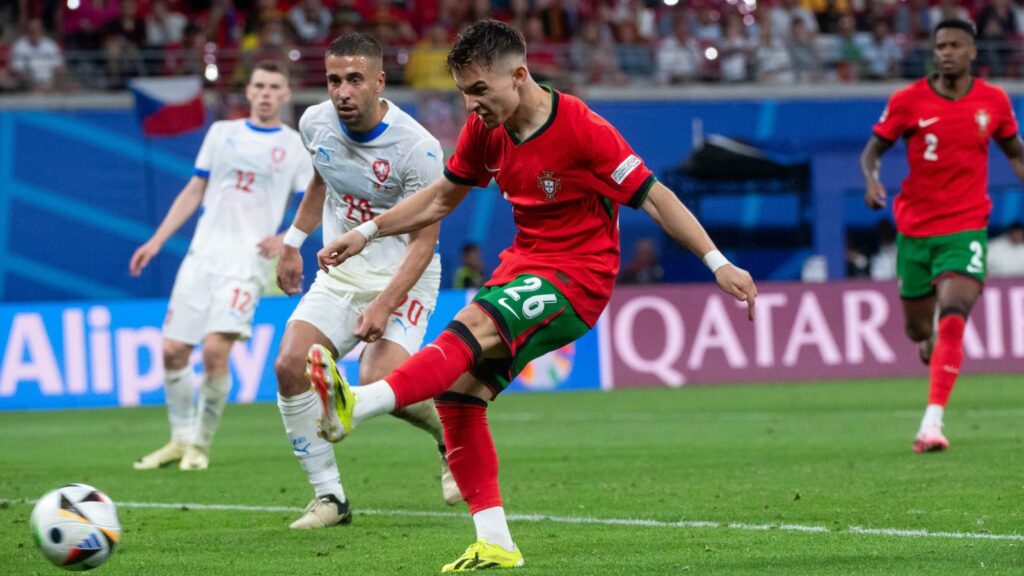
(471, 454)
(946, 358)
(432, 370)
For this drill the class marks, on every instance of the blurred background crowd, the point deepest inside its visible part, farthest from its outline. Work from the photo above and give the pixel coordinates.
(64, 45)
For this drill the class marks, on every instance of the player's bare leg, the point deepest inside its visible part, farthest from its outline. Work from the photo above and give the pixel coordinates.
(300, 409)
(213, 395)
(955, 296)
(377, 361)
(179, 389)
(919, 324)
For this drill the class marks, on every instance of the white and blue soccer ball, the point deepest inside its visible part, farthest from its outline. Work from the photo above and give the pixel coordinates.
(76, 527)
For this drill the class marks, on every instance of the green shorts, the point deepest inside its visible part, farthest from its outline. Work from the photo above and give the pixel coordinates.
(533, 318)
(921, 261)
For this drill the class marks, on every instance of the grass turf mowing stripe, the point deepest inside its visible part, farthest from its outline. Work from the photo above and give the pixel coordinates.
(895, 532)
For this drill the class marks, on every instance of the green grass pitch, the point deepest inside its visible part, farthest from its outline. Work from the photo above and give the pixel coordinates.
(785, 475)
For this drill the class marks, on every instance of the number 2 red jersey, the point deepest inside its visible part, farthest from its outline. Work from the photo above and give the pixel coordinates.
(947, 149)
(565, 183)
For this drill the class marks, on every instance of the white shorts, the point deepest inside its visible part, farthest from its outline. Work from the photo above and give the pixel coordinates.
(335, 313)
(204, 303)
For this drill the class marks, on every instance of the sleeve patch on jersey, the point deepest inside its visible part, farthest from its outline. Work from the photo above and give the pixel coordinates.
(625, 169)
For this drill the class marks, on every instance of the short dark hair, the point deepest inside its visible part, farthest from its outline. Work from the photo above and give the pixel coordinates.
(957, 24)
(469, 247)
(483, 43)
(273, 66)
(356, 44)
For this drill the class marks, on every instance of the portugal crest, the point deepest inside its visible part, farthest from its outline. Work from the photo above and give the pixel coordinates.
(983, 119)
(549, 184)
(381, 169)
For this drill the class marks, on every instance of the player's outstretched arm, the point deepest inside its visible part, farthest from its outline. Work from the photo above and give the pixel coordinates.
(371, 323)
(1014, 150)
(307, 218)
(870, 163)
(673, 217)
(184, 206)
(419, 210)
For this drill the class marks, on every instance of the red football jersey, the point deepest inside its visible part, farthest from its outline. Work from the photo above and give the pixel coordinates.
(565, 183)
(947, 149)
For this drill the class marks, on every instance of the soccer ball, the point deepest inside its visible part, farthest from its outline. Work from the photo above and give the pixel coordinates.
(76, 527)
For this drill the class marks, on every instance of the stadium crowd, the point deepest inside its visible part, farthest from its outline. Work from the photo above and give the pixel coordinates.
(58, 45)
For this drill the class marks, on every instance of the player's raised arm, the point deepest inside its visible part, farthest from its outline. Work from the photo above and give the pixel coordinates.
(870, 163)
(1014, 150)
(184, 206)
(665, 208)
(307, 218)
(419, 210)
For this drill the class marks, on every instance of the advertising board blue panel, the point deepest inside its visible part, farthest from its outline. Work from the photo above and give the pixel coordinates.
(107, 353)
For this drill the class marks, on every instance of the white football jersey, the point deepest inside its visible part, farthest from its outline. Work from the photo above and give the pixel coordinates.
(366, 174)
(251, 173)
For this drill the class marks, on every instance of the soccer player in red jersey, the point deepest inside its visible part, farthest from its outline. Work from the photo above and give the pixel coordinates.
(565, 170)
(942, 210)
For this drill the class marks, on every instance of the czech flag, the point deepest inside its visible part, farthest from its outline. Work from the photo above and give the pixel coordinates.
(168, 106)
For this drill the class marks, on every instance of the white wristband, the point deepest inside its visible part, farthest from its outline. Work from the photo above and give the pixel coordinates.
(294, 237)
(715, 260)
(368, 230)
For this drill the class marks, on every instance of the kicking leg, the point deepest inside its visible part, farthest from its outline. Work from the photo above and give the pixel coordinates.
(179, 388)
(300, 409)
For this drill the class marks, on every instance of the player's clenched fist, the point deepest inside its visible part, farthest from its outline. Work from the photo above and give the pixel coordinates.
(737, 281)
(340, 249)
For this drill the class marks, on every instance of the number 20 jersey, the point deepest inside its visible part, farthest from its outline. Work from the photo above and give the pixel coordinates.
(947, 149)
(251, 173)
(367, 173)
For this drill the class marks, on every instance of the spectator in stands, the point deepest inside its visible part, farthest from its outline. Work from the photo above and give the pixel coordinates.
(870, 12)
(427, 68)
(561, 20)
(830, 16)
(518, 13)
(311, 21)
(37, 62)
(644, 267)
(803, 51)
(593, 55)
(346, 18)
(471, 273)
(913, 20)
(678, 56)
(638, 14)
(709, 25)
(851, 56)
(773, 63)
(634, 53)
(997, 24)
(946, 10)
(1006, 253)
(123, 39)
(223, 23)
(83, 26)
(735, 50)
(881, 54)
(782, 16)
(264, 11)
(163, 27)
(544, 57)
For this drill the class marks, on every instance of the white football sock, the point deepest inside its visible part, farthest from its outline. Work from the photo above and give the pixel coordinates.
(315, 454)
(213, 394)
(424, 416)
(932, 416)
(492, 527)
(179, 388)
(372, 400)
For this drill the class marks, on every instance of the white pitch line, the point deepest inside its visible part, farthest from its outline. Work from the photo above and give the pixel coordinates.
(895, 532)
